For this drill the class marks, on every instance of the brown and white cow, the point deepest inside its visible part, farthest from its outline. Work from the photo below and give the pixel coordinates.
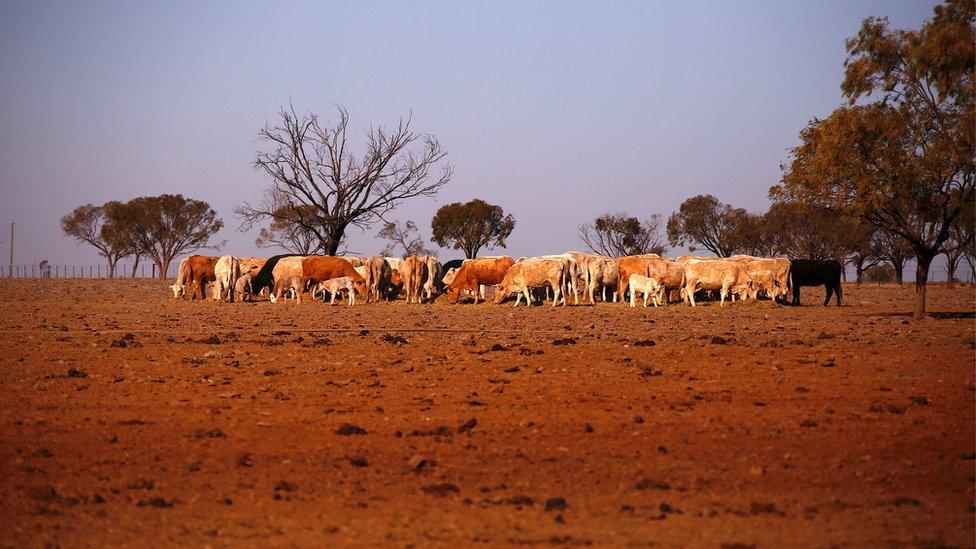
(644, 285)
(536, 272)
(317, 269)
(195, 271)
(475, 272)
(645, 265)
(725, 275)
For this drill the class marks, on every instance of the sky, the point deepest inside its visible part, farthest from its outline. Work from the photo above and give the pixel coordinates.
(557, 111)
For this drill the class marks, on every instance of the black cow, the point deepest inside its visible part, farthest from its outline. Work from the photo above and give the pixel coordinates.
(814, 272)
(264, 278)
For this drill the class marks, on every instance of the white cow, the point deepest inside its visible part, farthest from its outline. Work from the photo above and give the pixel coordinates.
(226, 271)
(336, 285)
(645, 285)
(243, 287)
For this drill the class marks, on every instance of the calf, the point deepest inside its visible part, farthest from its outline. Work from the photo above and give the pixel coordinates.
(336, 285)
(243, 287)
(317, 269)
(645, 285)
(289, 284)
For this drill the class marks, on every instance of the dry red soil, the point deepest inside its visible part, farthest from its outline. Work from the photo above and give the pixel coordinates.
(129, 418)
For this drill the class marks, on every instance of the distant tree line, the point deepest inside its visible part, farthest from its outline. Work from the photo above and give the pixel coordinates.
(155, 227)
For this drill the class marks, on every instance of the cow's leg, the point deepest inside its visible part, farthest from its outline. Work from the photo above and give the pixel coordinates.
(838, 293)
(690, 295)
(528, 296)
(830, 291)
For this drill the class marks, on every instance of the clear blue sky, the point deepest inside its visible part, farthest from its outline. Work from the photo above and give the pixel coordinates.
(558, 111)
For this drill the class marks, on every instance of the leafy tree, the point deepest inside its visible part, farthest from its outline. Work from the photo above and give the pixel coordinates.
(165, 226)
(312, 168)
(862, 248)
(900, 155)
(704, 221)
(618, 235)
(93, 225)
(879, 273)
(405, 237)
(288, 233)
(799, 230)
(960, 241)
(471, 226)
(895, 250)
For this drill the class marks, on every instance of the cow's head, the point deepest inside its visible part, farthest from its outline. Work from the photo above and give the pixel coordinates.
(177, 290)
(360, 286)
(501, 293)
(453, 294)
(395, 277)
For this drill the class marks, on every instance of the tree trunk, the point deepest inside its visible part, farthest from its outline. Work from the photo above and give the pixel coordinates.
(924, 260)
(135, 265)
(952, 263)
(111, 267)
(859, 269)
(164, 267)
(899, 267)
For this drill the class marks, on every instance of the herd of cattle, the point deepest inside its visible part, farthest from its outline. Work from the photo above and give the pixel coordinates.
(550, 277)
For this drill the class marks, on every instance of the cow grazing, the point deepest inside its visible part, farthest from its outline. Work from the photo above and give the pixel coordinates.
(291, 284)
(673, 280)
(770, 274)
(535, 273)
(182, 276)
(195, 270)
(632, 264)
(378, 275)
(336, 285)
(317, 269)
(724, 275)
(243, 287)
(476, 272)
(812, 272)
(645, 285)
(226, 272)
(270, 271)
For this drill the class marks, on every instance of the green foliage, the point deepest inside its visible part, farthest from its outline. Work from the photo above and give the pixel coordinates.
(471, 226)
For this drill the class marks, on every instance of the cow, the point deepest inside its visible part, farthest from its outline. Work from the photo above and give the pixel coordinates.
(476, 272)
(724, 275)
(414, 271)
(432, 282)
(226, 271)
(574, 274)
(182, 276)
(287, 284)
(629, 265)
(317, 269)
(770, 274)
(251, 265)
(243, 287)
(536, 272)
(266, 275)
(645, 285)
(378, 275)
(673, 280)
(812, 272)
(449, 276)
(336, 285)
(195, 270)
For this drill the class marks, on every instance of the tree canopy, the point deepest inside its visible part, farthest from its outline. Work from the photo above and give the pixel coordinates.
(619, 235)
(471, 226)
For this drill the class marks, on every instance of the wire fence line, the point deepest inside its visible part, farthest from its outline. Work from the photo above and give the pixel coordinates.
(46, 270)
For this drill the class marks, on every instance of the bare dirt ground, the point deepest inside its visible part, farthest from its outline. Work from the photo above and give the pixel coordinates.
(129, 418)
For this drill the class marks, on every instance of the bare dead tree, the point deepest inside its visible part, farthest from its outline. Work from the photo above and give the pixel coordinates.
(404, 237)
(618, 235)
(311, 166)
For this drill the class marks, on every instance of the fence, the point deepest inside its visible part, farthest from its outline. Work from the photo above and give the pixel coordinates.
(77, 271)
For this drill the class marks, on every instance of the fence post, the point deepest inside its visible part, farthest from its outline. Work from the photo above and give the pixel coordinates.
(154, 270)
